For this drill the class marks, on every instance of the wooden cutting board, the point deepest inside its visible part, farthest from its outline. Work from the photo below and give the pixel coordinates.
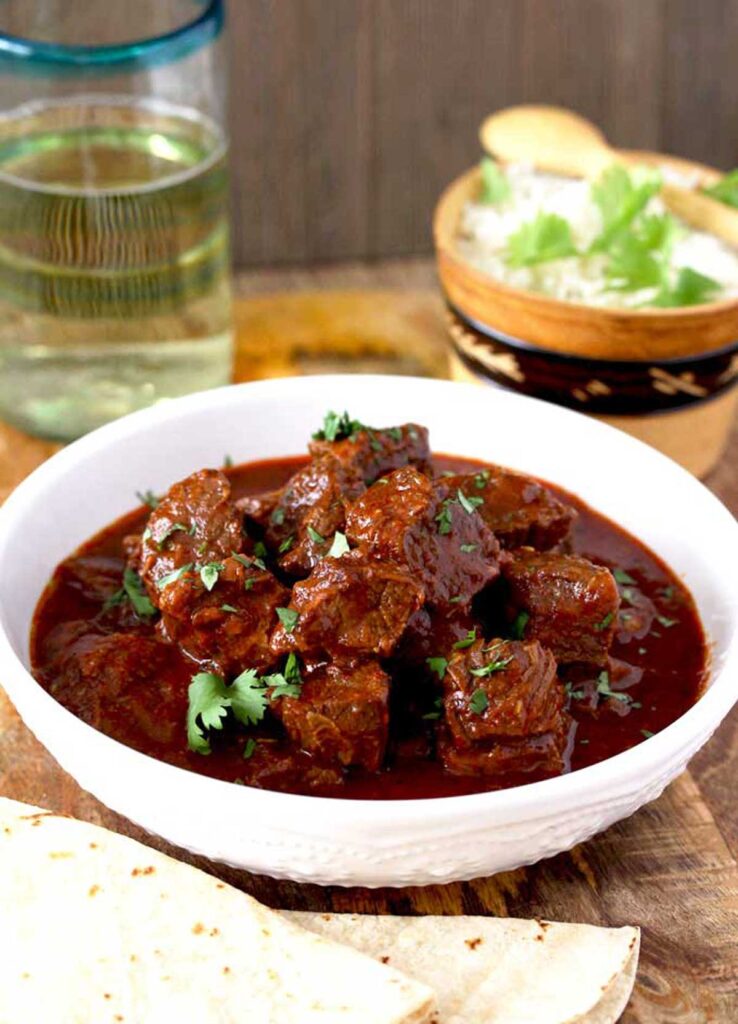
(671, 868)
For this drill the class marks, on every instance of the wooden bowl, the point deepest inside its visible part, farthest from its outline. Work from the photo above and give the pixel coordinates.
(666, 376)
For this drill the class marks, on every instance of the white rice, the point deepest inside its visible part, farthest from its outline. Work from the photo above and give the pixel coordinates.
(484, 230)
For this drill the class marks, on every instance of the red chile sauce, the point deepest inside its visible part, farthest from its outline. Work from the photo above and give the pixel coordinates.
(671, 660)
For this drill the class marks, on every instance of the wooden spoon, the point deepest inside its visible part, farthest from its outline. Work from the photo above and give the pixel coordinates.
(561, 142)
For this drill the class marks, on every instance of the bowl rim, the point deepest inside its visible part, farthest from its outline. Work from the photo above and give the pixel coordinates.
(607, 314)
(575, 788)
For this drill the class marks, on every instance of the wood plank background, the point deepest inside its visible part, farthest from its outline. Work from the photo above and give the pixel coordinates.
(348, 117)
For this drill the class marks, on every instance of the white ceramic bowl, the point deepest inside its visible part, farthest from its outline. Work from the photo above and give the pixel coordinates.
(347, 842)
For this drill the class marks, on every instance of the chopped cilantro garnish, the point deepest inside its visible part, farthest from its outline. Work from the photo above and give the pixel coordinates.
(137, 595)
(248, 698)
(667, 592)
(546, 237)
(642, 650)
(249, 748)
(171, 577)
(468, 548)
(604, 689)
(432, 716)
(468, 640)
(572, 693)
(277, 516)
(227, 461)
(148, 498)
(478, 702)
(260, 549)
(395, 433)
(481, 478)
(518, 627)
(493, 666)
(117, 598)
(437, 665)
(336, 428)
(458, 599)
(287, 683)
(468, 504)
(623, 577)
(444, 517)
(666, 622)
(314, 536)
(340, 545)
(646, 733)
(286, 544)
(228, 608)
(495, 185)
(174, 528)
(209, 574)
(626, 595)
(604, 623)
(289, 618)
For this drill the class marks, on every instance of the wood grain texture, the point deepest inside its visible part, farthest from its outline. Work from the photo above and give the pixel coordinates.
(671, 867)
(348, 117)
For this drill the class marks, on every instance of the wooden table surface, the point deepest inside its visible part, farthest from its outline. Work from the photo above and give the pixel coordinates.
(671, 868)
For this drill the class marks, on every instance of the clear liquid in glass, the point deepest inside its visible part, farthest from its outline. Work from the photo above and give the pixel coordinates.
(114, 260)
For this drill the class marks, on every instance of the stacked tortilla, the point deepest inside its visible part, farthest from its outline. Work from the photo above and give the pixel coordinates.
(99, 928)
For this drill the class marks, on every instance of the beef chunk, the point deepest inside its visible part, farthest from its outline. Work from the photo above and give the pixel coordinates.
(123, 684)
(431, 633)
(430, 529)
(228, 627)
(572, 604)
(518, 509)
(275, 766)
(341, 716)
(95, 577)
(300, 519)
(504, 709)
(370, 453)
(349, 606)
(195, 522)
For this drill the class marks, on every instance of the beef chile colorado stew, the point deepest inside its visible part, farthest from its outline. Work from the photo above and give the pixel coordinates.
(371, 622)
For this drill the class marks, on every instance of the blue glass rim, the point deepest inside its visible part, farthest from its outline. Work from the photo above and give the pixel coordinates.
(161, 49)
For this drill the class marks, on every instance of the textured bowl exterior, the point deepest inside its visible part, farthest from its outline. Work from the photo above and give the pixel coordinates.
(349, 842)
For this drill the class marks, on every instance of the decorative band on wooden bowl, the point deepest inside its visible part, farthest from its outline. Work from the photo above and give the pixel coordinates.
(601, 386)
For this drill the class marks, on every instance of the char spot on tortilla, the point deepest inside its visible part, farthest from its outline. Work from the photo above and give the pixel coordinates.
(539, 938)
(107, 995)
(473, 943)
(198, 929)
(93, 846)
(143, 871)
(219, 885)
(226, 970)
(7, 831)
(93, 890)
(385, 959)
(213, 932)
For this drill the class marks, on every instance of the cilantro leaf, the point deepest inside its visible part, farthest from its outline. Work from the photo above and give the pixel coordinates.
(437, 711)
(468, 640)
(247, 694)
(209, 701)
(340, 545)
(148, 498)
(492, 666)
(468, 548)
(632, 266)
(137, 595)
(725, 190)
(623, 577)
(518, 626)
(546, 237)
(249, 748)
(171, 577)
(286, 544)
(690, 289)
(495, 184)
(604, 623)
(478, 702)
(437, 665)
(289, 618)
(444, 518)
(314, 536)
(277, 516)
(209, 574)
(621, 196)
(469, 505)
(336, 428)
(229, 608)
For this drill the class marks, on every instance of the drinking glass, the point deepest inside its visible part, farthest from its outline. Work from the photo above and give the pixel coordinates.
(114, 251)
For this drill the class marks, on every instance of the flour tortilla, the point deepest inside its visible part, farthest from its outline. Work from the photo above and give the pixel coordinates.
(498, 970)
(98, 928)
